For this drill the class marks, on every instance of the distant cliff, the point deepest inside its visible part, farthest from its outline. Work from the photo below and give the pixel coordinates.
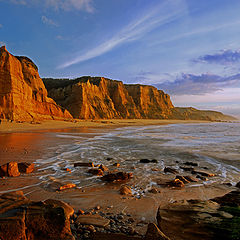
(98, 97)
(23, 95)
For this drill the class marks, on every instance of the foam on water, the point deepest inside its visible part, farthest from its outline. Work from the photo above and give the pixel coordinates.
(170, 145)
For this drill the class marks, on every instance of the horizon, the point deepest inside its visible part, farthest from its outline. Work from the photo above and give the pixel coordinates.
(188, 49)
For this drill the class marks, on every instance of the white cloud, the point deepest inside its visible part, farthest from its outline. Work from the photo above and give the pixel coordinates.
(66, 5)
(49, 21)
(1, 25)
(160, 15)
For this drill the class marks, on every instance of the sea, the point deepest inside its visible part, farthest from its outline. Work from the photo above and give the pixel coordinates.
(214, 147)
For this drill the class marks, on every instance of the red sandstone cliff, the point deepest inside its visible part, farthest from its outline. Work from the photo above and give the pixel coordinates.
(23, 96)
(95, 97)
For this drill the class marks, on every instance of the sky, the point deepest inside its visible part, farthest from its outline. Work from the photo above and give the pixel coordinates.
(188, 48)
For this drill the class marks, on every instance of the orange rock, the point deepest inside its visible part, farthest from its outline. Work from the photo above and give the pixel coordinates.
(103, 168)
(116, 164)
(125, 190)
(9, 170)
(67, 186)
(23, 96)
(176, 183)
(25, 167)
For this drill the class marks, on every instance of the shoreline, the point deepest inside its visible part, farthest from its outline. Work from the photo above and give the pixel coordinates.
(12, 127)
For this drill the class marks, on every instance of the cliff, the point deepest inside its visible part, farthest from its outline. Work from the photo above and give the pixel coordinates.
(97, 97)
(23, 96)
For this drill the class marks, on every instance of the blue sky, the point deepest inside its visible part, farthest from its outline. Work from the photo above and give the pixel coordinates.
(188, 48)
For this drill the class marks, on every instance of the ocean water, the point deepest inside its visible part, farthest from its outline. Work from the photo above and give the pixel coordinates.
(214, 146)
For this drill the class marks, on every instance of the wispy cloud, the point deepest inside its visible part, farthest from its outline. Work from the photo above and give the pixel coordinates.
(1, 25)
(225, 57)
(160, 15)
(66, 5)
(190, 84)
(198, 31)
(2, 43)
(49, 21)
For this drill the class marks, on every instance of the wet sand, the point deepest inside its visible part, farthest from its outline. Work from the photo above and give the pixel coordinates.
(19, 143)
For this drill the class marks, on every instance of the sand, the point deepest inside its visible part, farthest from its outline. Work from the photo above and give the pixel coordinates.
(6, 126)
(28, 142)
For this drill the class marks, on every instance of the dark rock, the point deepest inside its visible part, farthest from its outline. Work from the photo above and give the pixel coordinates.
(96, 171)
(116, 177)
(114, 236)
(153, 190)
(203, 173)
(116, 164)
(191, 164)
(202, 178)
(109, 159)
(144, 160)
(170, 170)
(191, 178)
(25, 167)
(187, 169)
(238, 185)
(83, 164)
(176, 183)
(231, 199)
(183, 179)
(103, 168)
(154, 233)
(9, 170)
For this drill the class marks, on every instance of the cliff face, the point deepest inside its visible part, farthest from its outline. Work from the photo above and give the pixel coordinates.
(23, 95)
(95, 97)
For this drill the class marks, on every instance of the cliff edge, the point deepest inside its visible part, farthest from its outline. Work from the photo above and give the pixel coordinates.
(23, 96)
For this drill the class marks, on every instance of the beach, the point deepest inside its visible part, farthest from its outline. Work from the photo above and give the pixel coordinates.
(55, 146)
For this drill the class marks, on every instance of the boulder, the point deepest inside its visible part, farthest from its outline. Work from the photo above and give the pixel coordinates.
(22, 219)
(203, 173)
(96, 171)
(66, 186)
(9, 170)
(117, 177)
(25, 167)
(83, 164)
(170, 170)
(176, 183)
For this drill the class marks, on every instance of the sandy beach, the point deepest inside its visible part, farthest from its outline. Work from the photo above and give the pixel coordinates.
(25, 142)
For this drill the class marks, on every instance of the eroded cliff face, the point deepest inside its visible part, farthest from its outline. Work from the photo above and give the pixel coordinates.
(95, 97)
(23, 96)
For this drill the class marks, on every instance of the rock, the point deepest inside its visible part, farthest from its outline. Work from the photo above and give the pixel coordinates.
(80, 212)
(191, 164)
(25, 167)
(231, 199)
(187, 169)
(202, 178)
(125, 190)
(91, 228)
(105, 98)
(103, 168)
(96, 171)
(109, 159)
(191, 178)
(170, 170)
(238, 185)
(144, 160)
(153, 190)
(83, 164)
(154, 233)
(22, 219)
(116, 177)
(9, 170)
(116, 164)
(114, 236)
(95, 220)
(69, 211)
(66, 186)
(203, 173)
(176, 183)
(23, 96)
(183, 179)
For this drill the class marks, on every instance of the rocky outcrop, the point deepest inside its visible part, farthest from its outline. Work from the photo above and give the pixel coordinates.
(97, 97)
(22, 219)
(23, 96)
